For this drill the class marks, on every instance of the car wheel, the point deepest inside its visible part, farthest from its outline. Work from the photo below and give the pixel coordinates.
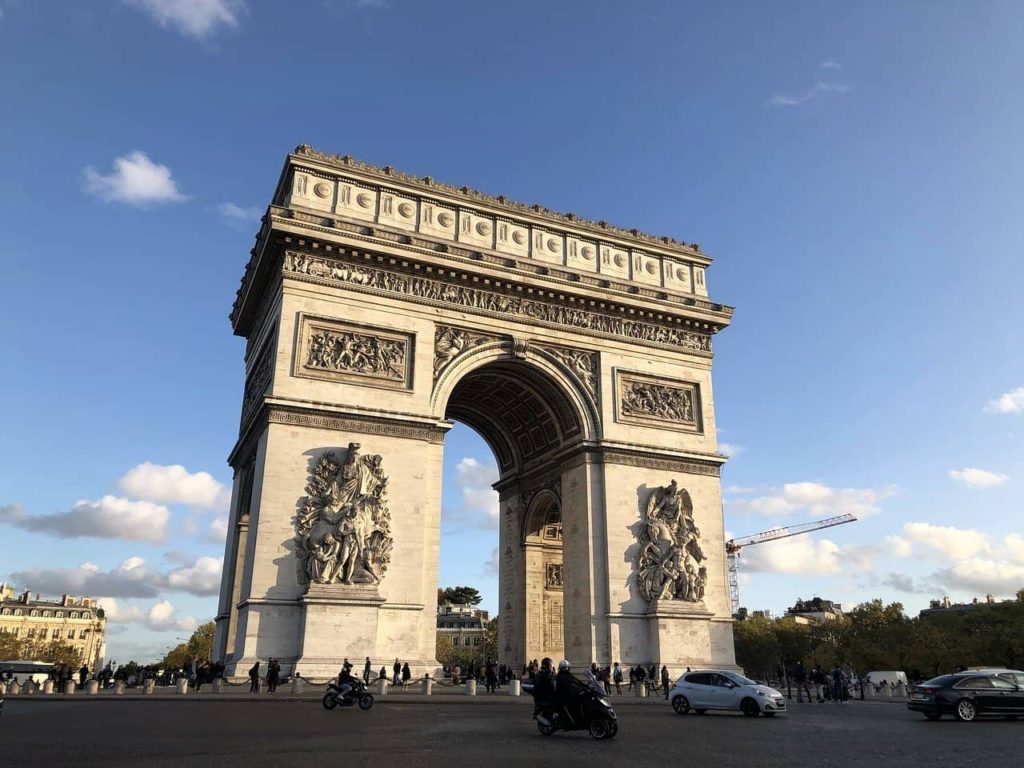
(680, 704)
(599, 728)
(965, 710)
(933, 715)
(330, 701)
(366, 701)
(613, 729)
(750, 708)
(546, 730)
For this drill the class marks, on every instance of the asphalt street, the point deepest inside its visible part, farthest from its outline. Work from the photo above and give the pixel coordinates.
(412, 734)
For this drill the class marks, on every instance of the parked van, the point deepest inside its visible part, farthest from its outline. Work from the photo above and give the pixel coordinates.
(890, 677)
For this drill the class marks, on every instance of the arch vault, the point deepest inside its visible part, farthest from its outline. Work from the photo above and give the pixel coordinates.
(377, 309)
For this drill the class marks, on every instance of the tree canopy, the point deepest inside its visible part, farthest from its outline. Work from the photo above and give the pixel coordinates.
(199, 647)
(459, 596)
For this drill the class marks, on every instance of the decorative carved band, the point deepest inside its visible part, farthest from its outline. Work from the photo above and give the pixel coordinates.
(331, 349)
(350, 423)
(646, 461)
(658, 402)
(554, 576)
(451, 342)
(492, 302)
(258, 380)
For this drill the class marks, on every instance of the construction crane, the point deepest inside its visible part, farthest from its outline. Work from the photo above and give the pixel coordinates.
(733, 547)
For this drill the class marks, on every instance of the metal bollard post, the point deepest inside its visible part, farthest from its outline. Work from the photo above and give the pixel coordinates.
(428, 686)
(515, 688)
(296, 685)
(181, 685)
(69, 687)
(119, 688)
(641, 690)
(48, 686)
(92, 687)
(148, 686)
(471, 687)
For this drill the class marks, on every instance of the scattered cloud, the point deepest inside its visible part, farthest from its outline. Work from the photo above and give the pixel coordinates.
(729, 449)
(805, 555)
(899, 546)
(901, 582)
(954, 543)
(980, 575)
(1008, 402)
(199, 19)
(973, 477)
(217, 531)
(108, 518)
(814, 499)
(491, 566)
(479, 501)
(160, 617)
(816, 90)
(236, 215)
(173, 484)
(831, 64)
(132, 578)
(135, 180)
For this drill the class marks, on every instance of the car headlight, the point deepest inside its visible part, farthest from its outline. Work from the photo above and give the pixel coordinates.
(604, 702)
(763, 693)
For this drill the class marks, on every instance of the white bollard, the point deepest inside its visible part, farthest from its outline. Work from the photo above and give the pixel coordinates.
(471, 687)
(3, 687)
(515, 688)
(218, 685)
(181, 685)
(296, 685)
(869, 691)
(641, 690)
(382, 686)
(901, 690)
(69, 687)
(13, 689)
(28, 688)
(148, 686)
(119, 688)
(48, 686)
(428, 687)
(886, 692)
(92, 687)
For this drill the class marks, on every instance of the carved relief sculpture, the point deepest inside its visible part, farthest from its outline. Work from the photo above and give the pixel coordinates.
(450, 342)
(645, 400)
(582, 364)
(343, 533)
(335, 350)
(669, 566)
(553, 576)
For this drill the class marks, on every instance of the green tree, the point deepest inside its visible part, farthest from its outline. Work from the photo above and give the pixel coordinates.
(461, 595)
(757, 647)
(445, 652)
(199, 647)
(489, 645)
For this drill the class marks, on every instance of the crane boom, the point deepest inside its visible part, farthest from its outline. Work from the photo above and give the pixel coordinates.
(733, 547)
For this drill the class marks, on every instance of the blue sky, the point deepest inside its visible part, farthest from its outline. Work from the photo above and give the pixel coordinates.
(855, 170)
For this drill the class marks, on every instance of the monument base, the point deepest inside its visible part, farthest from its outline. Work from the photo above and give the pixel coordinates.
(682, 636)
(339, 621)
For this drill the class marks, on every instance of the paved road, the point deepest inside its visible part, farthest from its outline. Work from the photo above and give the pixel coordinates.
(238, 733)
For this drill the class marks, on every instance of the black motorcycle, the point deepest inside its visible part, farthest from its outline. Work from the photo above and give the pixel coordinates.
(588, 711)
(356, 694)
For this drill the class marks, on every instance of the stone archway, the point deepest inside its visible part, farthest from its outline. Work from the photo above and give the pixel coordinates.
(379, 307)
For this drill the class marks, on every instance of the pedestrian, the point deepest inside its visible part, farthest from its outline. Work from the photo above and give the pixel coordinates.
(617, 678)
(397, 669)
(800, 678)
(632, 678)
(273, 675)
(254, 678)
(818, 681)
(383, 674)
(366, 671)
(653, 677)
(664, 679)
(83, 675)
(490, 678)
(406, 673)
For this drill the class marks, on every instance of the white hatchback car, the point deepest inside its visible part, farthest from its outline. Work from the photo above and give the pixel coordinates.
(706, 689)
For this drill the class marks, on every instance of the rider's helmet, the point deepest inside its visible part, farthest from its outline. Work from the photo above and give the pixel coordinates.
(546, 662)
(564, 665)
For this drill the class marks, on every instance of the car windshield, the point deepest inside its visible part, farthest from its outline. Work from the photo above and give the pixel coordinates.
(739, 679)
(939, 682)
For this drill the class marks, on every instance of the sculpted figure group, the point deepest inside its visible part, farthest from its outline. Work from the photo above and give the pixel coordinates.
(669, 565)
(343, 533)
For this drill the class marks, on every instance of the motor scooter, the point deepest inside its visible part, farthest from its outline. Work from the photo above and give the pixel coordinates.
(587, 710)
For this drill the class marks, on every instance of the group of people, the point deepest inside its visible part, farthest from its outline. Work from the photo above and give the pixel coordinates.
(834, 685)
(273, 677)
(603, 679)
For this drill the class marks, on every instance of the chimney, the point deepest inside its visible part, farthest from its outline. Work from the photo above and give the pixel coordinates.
(24, 597)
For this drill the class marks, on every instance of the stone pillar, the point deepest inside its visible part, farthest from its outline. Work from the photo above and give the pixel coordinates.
(641, 690)
(218, 685)
(296, 685)
(48, 686)
(119, 688)
(428, 686)
(471, 687)
(515, 688)
(181, 685)
(92, 687)
(148, 686)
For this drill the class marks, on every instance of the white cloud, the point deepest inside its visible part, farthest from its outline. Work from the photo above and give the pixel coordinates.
(782, 100)
(491, 566)
(815, 499)
(135, 180)
(1015, 548)
(236, 214)
(218, 530)
(901, 582)
(831, 64)
(109, 517)
(800, 555)
(164, 616)
(195, 18)
(173, 484)
(979, 575)
(729, 449)
(1008, 402)
(977, 478)
(899, 546)
(479, 505)
(201, 578)
(955, 543)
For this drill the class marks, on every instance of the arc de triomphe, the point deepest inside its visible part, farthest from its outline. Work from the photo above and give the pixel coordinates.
(377, 308)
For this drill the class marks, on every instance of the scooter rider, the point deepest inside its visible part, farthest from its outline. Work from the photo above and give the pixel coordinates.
(544, 692)
(567, 689)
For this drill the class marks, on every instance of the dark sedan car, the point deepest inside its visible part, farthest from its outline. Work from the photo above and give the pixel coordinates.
(967, 695)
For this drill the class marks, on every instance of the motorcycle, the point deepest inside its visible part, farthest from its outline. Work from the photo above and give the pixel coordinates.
(356, 694)
(587, 711)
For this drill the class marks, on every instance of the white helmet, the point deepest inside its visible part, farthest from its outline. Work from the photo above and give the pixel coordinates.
(563, 664)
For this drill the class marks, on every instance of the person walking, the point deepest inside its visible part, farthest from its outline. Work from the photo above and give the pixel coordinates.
(273, 675)
(383, 674)
(366, 671)
(397, 669)
(490, 678)
(632, 678)
(83, 675)
(617, 678)
(664, 679)
(406, 674)
(254, 678)
(800, 678)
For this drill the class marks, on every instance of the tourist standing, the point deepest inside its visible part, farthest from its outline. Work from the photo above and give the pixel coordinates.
(254, 678)
(397, 670)
(383, 674)
(366, 671)
(617, 678)
(800, 678)
(83, 675)
(273, 675)
(406, 673)
(664, 679)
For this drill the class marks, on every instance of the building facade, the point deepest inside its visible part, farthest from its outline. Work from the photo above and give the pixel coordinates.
(78, 622)
(463, 625)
